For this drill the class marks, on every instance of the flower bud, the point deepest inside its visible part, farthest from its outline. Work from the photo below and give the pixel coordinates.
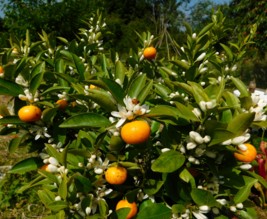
(190, 145)
(204, 208)
(242, 147)
(238, 140)
(233, 208)
(246, 166)
(53, 161)
(239, 205)
(57, 198)
(201, 57)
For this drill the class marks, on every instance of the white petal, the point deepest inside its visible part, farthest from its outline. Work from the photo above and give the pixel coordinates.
(120, 122)
(53, 161)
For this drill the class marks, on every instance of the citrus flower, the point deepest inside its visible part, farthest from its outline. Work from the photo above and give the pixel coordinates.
(39, 132)
(131, 109)
(29, 96)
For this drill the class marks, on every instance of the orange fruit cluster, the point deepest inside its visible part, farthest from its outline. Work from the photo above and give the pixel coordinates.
(135, 132)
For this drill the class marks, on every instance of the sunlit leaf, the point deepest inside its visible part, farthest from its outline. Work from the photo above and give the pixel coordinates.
(83, 120)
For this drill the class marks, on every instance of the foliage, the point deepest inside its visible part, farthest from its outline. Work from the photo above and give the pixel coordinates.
(10, 199)
(246, 13)
(199, 114)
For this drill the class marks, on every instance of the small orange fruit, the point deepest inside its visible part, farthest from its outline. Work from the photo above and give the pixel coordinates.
(135, 132)
(125, 204)
(248, 155)
(30, 113)
(62, 103)
(150, 52)
(116, 175)
(1, 69)
(92, 86)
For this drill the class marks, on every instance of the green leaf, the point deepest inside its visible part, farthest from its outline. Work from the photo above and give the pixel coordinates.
(63, 188)
(240, 123)
(203, 197)
(83, 183)
(153, 186)
(137, 85)
(205, 29)
(241, 87)
(26, 165)
(181, 64)
(16, 142)
(55, 89)
(162, 90)
(220, 135)
(185, 112)
(103, 98)
(11, 120)
(168, 162)
(120, 71)
(228, 52)
(163, 111)
(103, 207)
(145, 92)
(36, 82)
(198, 92)
(91, 120)
(57, 205)
(46, 196)
(155, 211)
(77, 62)
(10, 88)
(244, 192)
(115, 89)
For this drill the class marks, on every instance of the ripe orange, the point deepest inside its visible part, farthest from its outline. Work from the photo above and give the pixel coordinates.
(44, 167)
(125, 204)
(92, 86)
(116, 175)
(246, 156)
(1, 69)
(62, 103)
(150, 52)
(135, 132)
(30, 113)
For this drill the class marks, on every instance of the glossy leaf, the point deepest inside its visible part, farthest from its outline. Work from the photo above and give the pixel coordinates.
(120, 71)
(241, 87)
(10, 88)
(240, 123)
(168, 162)
(203, 197)
(153, 186)
(154, 211)
(89, 120)
(115, 89)
(137, 85)
(244, 192)
(228, 52)
(26, 165)
(46, 196)
(57, 205)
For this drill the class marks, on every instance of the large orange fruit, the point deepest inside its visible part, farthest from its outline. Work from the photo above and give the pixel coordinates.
(125, 204)
(135, 132)
(116, 175)
(150, 52)
(30, 113)
(248, 155)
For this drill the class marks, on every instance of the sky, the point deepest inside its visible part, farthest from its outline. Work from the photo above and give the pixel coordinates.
(191, 4)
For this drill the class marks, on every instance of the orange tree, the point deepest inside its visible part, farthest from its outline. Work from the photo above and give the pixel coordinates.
(196, 115)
